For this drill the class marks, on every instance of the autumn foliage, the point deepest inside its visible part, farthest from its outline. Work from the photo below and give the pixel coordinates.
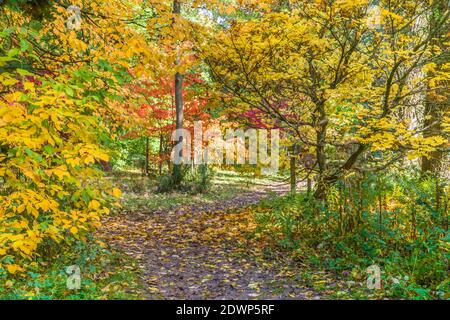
(358, 89)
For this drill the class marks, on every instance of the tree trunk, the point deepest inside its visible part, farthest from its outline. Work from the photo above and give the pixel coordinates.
(433, 116)
(437, 103)
(308, 186)
(147, 156)
(160, 162)
(177, 170)
(293, 170)
(321, 134)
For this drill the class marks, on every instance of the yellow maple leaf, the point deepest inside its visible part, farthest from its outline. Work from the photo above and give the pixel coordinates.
(14, 268)
(94, 204)
(116, 192)
(74, 230)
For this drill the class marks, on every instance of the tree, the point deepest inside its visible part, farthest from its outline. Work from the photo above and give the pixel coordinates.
(437, 102)
(177, 170)
(150, 104)
(331, 80)
(57, 86)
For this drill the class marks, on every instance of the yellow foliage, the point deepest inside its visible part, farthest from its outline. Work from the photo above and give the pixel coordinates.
(116, 192)
(13, 268)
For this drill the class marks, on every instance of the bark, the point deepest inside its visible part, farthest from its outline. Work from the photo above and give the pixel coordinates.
(437, 104)
(347, 165)
(177, 170)
(160, 162)
(147, 156)
(293, 169)
(321, 135)
(432, 163)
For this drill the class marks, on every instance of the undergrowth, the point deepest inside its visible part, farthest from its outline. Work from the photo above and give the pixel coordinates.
(397, 222)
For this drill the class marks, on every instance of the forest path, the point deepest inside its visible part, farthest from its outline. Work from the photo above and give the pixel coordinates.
(202, 251)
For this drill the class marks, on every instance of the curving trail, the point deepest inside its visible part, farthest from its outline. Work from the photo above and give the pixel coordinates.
(202, 252)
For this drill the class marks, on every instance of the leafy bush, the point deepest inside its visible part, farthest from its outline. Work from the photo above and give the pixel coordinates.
(49, 147)
(200, 182)
(166, 183)
(196, 182)
(393, 221)
(102, 276)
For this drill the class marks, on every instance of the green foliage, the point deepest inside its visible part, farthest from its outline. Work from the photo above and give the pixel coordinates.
(166, 183)
(102, 276)
(129, 153)
(198, 181)
(394, 221)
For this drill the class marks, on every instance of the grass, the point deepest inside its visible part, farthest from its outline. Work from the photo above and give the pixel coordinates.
(140, 192)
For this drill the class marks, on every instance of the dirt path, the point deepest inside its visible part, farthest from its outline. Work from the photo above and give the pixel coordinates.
(202, 252)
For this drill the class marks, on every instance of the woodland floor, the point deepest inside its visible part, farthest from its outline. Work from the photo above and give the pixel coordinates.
(202, 250)
(201, 247)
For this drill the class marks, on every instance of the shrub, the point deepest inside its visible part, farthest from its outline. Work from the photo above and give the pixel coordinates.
(48, 149)
(393, 221)
(201, 180)
(197, 182)
(166, 183)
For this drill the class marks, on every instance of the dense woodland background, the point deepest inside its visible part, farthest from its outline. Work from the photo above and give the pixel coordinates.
(357, 88)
